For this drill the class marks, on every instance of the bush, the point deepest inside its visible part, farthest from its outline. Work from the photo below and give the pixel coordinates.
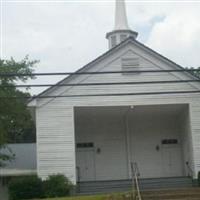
(198, 178)
(57, 186)
(25, 188)
(30, 187)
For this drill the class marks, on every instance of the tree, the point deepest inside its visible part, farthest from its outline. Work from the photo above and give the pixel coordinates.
(15, 118)
(195, 73)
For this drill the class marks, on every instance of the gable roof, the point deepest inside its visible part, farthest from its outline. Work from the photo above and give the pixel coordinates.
(98, 59)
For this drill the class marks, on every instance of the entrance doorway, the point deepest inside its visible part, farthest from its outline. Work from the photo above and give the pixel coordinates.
(85, 164)
(109, 138)
(172, 158)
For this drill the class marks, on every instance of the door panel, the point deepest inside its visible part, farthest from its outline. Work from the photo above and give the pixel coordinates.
(172, 161)
(85, 163)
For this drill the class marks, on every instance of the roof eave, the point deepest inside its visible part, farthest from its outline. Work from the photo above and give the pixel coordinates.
(107, 53)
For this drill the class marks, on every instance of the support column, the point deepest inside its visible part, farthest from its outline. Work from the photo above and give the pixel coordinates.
(55, 141)
(194, 114)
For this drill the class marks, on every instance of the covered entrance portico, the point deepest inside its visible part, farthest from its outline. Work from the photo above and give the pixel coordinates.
(108, 139)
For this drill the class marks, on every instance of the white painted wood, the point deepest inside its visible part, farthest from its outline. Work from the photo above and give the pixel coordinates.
(55, 141)
(128, 143)
(147, 130)
(55, 123)
(187, 141)
(111, 164)
(113, 62)
(85, 161)
(195, 136)
(121, 22)
(106, 127)
(107, 134)
(121, 30)
(172, 161)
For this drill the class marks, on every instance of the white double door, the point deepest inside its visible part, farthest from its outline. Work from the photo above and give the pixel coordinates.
(172, 161)
(85, 161)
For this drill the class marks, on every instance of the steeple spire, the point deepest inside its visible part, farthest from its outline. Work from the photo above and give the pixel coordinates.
(121, 30)
(121, 22)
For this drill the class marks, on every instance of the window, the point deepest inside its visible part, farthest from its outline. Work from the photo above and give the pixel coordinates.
(85, 145)
(130, 64)
(123, 37)
(170, 141)
(113, 41)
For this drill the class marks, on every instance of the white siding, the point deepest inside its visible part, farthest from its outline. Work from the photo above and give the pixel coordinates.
(113, 63)
(55, 125)
(55, 141)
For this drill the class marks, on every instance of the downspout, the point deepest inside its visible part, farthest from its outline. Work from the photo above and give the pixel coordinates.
(128, 146)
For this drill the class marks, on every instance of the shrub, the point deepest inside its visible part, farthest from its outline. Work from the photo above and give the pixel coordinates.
(57, 186)
(198, 178)
(25, 188)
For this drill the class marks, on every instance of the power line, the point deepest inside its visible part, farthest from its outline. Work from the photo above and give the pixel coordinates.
(106, 83)
(99, 84)
(103, 95)
(100, 72)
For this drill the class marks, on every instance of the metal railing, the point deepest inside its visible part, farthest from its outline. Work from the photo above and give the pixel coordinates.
(135, 180)
(189, 170)
(78, 179)
(78, 174)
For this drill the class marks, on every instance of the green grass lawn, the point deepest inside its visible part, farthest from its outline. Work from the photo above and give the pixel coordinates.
(96, 197)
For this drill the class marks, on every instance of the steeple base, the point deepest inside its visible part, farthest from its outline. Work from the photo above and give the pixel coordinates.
(118, 36)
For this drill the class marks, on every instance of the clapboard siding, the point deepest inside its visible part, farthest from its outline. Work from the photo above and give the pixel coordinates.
(55, 141)
(113, 63)
(127, 100)
(55, 120)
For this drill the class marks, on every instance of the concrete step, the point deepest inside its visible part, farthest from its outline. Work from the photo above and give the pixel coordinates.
(94, 187)
(159, 183)
(104, 189)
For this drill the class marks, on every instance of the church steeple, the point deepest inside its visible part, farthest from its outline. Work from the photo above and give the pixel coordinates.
(121, 22)
(121, 30)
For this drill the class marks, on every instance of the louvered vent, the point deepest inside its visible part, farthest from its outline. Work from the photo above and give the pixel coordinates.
(130, 64)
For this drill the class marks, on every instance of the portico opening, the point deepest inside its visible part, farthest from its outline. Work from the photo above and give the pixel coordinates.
(108, 139)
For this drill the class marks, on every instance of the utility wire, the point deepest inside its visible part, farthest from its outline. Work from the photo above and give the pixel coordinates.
(101, 72)
(111, 83)
(103, 94)
(97, 84)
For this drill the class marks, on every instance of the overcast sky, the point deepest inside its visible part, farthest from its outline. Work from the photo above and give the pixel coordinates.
(65, 35)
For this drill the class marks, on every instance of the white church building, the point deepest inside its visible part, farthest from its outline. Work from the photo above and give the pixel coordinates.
(95, 126)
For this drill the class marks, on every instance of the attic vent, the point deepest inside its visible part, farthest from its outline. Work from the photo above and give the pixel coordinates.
(130, 64)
